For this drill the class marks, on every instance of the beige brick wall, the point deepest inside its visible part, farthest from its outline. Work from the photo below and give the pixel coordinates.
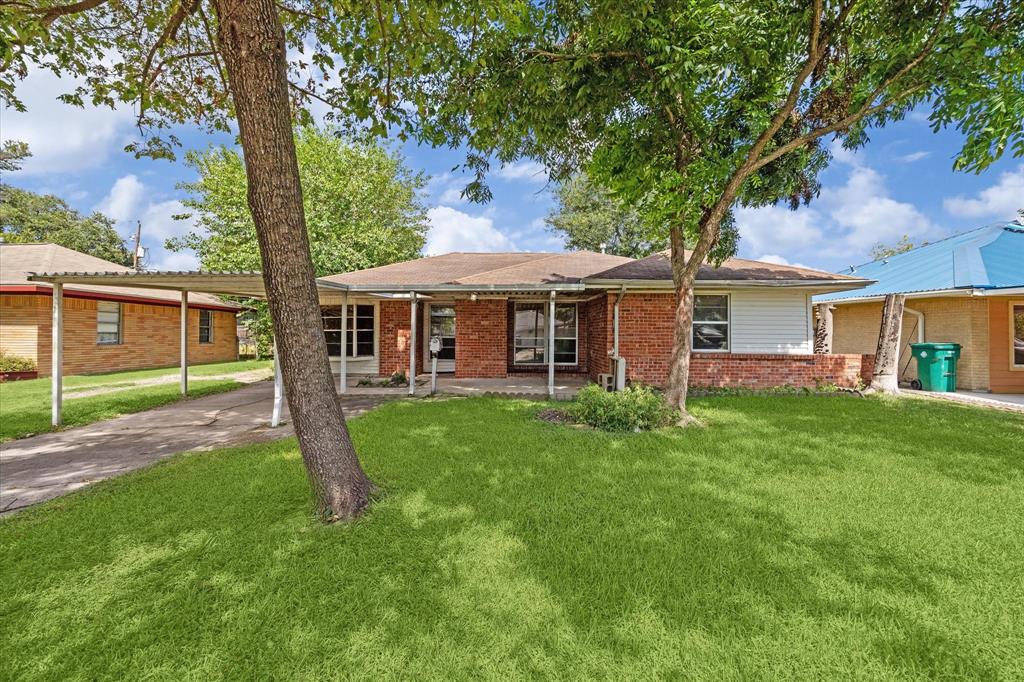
(20, 319)
(962, 320)
(150, 335)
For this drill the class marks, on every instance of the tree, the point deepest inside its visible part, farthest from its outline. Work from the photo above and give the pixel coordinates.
(589, 219)
(885, 375)
(880, 251)
(12, 153)
(27, 218)
(216, 63)
(686, 110)
(362, 207)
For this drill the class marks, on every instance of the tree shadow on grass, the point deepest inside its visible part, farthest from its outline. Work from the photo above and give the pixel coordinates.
(502, 547)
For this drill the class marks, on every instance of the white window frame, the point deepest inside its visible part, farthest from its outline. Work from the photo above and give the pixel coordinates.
(1014, 367)
(119, 307)
(546, 317)
(350, 328)
(727, 322)
(209, 314)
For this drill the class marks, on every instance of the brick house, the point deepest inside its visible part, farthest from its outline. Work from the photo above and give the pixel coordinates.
(106, 328)
(968, 289)
(493, 315)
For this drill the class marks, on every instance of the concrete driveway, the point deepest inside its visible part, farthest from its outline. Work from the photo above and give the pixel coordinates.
(53, 464)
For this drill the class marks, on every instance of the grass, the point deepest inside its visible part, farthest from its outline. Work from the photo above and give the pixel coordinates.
(793, 538)
(25, 405)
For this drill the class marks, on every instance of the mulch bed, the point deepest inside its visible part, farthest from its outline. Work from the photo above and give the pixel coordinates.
(554, 416)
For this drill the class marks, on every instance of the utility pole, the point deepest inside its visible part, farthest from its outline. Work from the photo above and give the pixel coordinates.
(138, 254)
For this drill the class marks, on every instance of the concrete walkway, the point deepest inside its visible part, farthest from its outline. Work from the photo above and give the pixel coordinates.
(248, 377)
(53, 464)
(1009, 402)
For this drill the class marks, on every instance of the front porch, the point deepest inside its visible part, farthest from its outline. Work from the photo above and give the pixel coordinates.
(524, 386)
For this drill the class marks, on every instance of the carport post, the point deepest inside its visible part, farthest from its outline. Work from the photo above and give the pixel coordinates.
(275, 416)
(184, 342)
(551, 347)
(412, 343)
(57, 355)
(343, 373)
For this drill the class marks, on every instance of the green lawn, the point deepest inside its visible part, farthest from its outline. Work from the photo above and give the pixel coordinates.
(25, 405)
(793, 538)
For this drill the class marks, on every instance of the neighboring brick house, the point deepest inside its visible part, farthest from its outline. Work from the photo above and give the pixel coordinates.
(106, 328)
(492, 311)
(968, 289)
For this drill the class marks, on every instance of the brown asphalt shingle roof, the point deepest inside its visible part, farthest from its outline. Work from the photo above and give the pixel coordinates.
(485, 269)
(657, 267)
(18, 261)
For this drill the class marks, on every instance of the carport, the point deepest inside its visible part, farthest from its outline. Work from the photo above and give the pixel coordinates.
(247, 284)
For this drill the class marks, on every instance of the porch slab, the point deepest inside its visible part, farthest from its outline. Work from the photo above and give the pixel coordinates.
(518, 386)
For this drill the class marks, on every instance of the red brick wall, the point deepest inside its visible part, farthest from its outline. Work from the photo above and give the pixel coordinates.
(481, 342)
(150, 337)
(765, 371)
(645, 335)
(599, 337)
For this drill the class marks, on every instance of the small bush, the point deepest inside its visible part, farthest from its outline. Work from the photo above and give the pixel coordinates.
(16, 363)
(637, 408)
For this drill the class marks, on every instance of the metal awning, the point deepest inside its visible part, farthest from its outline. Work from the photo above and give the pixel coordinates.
(240, 283)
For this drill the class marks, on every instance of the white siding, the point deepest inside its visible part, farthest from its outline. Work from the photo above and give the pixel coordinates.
(770, 320)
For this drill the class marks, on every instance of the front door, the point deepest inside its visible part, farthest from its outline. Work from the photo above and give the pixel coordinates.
(442, 324)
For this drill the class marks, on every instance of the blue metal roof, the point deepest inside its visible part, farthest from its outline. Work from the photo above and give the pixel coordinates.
(990, 257)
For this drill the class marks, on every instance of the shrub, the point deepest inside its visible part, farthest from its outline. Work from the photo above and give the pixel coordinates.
(637, 408)
(16, 363)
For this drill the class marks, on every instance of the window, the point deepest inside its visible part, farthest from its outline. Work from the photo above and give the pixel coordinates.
(108, 323)
(360, 331)
(711, 323)
(530, 335)
(442, 324)
(1017, 335)
(205, 326)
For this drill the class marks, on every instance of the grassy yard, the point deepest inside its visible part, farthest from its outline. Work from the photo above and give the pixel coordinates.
(25, 405)
(794, 538)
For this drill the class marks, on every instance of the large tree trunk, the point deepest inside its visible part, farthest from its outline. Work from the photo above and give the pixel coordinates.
(684, 274)
(884, 378)
(823, 330)
(251, 41)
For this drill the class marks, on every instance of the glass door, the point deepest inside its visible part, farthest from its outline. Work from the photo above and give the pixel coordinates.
(442, 324)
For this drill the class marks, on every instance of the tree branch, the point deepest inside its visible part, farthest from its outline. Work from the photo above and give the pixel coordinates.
(834, 127)
(310, 93)
(51, 14)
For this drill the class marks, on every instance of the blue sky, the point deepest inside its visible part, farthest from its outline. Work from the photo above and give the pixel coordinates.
(901, 183)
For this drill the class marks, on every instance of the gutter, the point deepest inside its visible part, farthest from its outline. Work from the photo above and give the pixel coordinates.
(667, 284)
(920, 322)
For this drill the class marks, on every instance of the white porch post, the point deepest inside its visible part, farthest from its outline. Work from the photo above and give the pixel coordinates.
(184, 342)
(275, 416)
(57, 355)
(412, 343)
(343, 372)
(551, 346)
(616, 379)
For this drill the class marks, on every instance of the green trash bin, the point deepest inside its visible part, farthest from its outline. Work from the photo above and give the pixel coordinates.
(936, 365)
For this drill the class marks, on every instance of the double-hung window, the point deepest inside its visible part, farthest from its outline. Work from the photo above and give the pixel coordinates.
(108, 323)
(205, 326)
(359, 325)
(711, 323)
(531, 334)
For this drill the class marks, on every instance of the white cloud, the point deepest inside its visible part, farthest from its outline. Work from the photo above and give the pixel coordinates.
(912, 157)
(125, 197)
(128, 201)
(1001, 200)
(868, 215)
(63, 138)
(779, 260)
(844, 222)
(531, 171)
(453, 230)
(776, 228)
